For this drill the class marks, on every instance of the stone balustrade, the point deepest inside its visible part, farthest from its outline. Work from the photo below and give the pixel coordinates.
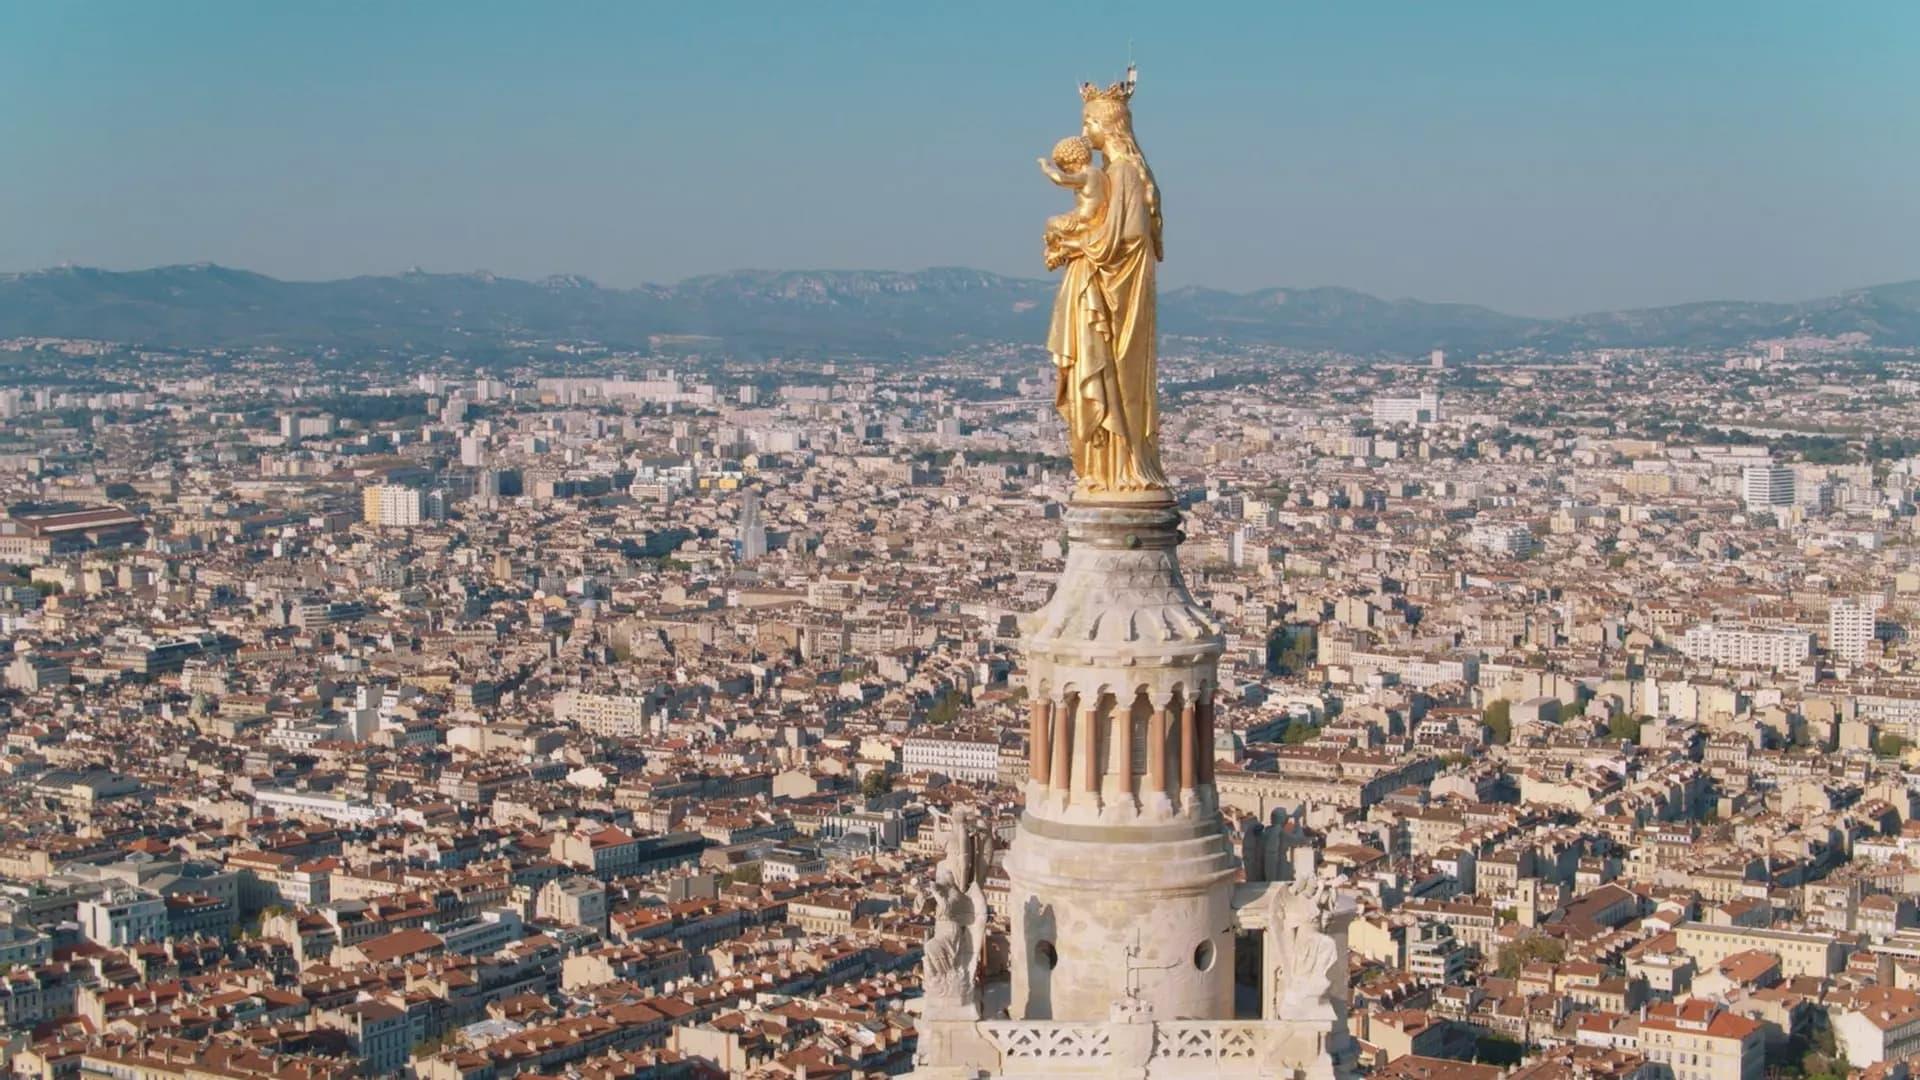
(1049, 1050)
(1042, 1040)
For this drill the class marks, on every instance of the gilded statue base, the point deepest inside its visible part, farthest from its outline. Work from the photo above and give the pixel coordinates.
(1139, 498)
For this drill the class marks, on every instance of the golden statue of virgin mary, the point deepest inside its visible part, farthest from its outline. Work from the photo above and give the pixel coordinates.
(1102, 337)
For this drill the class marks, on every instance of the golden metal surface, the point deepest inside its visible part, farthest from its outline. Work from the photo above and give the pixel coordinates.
(1102, 337)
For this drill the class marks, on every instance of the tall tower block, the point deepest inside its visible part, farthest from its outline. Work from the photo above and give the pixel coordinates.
(753, 529)
(1121, 874)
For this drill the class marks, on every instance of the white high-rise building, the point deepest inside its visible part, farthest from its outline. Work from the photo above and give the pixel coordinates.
(1740, 646)
(294, 427)
(1508, 540)
(473, 451)
(1850, 628)
(393, 506)
(1389, 411)
(1767, 489)
(958, 756)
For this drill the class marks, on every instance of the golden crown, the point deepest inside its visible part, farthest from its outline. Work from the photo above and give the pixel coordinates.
(1121, 91)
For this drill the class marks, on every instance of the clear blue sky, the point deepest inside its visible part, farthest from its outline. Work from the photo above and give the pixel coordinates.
(1542, 158)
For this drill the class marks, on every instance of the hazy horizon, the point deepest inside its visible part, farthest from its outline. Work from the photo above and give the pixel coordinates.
(1541, 162)
(535, 278)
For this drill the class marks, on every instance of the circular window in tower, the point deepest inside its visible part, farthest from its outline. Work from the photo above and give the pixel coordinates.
(1203, 956)
(1046, 956)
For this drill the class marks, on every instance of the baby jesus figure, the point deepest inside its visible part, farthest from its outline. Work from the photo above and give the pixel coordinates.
(1072, 167)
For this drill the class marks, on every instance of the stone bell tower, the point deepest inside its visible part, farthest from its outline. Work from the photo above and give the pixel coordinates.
(1124, 895)
(1124, 900)
(1121, 873)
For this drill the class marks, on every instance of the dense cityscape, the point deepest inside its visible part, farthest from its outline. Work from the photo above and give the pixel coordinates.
(603, 715)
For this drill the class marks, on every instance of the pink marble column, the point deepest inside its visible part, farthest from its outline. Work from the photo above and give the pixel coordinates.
(1189, 779)
(1157, 751)
(1089, 736)
(1062, 760)
(1206, 739)
(1039, 741)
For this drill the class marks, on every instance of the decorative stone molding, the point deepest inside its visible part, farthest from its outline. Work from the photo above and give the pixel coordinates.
(1122, 673)
(1131, 1046)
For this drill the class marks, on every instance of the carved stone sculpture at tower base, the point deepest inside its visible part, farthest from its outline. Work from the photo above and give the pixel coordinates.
(1304, 954)
(950, 957)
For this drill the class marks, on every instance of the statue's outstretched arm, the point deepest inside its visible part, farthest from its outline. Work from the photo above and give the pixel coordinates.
(1065, 180)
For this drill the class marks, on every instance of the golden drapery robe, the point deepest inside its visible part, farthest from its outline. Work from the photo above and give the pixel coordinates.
(1103, 342)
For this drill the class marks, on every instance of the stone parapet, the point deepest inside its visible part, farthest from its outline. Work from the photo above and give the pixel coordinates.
(1128, 1048)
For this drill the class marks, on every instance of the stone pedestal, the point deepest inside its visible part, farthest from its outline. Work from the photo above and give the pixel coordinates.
(1122, 900)
(1102, 912)
(1120, 872)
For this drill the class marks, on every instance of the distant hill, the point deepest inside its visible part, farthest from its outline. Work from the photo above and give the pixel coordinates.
(873, 312)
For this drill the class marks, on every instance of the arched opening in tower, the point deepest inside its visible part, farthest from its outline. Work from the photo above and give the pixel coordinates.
(1249, 966)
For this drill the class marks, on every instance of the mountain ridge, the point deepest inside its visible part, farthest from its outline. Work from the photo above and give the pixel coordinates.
(860, 311)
